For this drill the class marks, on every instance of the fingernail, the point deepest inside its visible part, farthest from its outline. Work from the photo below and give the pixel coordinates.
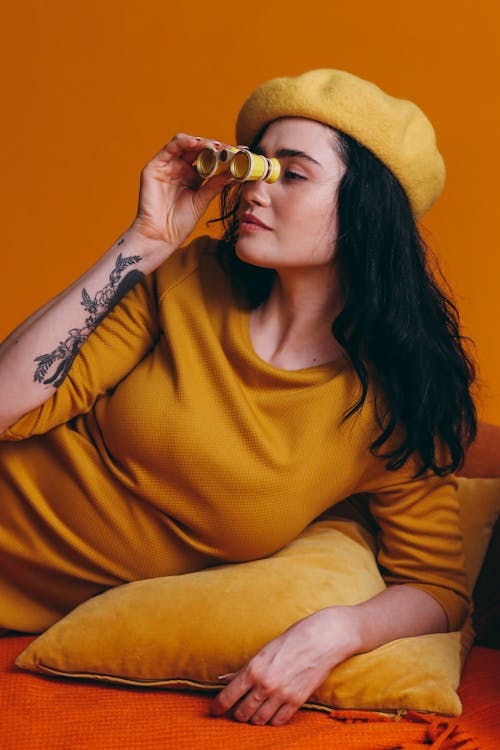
(224, 676)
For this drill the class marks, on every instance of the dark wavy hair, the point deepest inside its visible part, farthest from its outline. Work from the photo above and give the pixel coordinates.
(397, 325)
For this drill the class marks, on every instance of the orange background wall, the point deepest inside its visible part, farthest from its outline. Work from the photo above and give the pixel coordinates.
(95, 87)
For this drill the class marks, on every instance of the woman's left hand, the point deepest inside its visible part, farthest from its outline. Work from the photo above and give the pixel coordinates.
(283, 674)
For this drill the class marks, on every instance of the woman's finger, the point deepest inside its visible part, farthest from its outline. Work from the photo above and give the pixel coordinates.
(283, 714)
(230, 695)
(186, 147)
(265, 712)
(248, 706)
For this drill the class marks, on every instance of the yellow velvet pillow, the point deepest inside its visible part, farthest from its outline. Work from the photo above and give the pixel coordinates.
(184, 631)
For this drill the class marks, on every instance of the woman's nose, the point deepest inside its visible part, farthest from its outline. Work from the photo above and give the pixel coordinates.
(256, 192)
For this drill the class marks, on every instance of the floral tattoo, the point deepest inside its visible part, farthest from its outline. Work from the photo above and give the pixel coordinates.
(52, 368)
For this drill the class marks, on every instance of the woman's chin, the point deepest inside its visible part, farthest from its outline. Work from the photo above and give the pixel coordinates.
(250, 253)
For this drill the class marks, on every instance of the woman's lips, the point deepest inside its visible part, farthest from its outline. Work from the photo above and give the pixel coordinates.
(250, 223)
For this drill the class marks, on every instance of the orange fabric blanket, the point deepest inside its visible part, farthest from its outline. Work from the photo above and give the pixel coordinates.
(38, 713)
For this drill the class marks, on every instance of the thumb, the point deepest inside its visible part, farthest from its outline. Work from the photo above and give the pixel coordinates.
(210, 189)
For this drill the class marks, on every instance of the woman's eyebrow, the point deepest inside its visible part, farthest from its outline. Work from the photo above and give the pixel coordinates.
(282, 152)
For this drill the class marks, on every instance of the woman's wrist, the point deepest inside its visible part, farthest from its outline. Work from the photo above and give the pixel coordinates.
(345, 632)
(152, 250)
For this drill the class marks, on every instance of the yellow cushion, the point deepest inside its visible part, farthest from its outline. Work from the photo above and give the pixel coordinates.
(184, 631)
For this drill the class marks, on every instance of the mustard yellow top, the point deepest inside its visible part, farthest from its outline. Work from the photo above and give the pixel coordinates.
(172, 446)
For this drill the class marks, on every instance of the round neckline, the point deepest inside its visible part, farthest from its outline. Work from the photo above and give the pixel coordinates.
(314, 372)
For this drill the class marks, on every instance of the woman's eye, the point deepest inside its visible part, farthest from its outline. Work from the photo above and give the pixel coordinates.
(291, 175)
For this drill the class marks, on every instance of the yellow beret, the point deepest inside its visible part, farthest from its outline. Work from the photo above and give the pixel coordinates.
(395, 130)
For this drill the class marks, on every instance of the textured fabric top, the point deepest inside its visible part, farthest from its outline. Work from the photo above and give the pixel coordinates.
(395, 130)
(172, 445)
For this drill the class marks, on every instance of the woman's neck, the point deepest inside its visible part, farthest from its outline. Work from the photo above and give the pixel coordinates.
(292, 329)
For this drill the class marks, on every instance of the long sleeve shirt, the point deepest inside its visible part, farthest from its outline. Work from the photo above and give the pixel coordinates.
(171, 446)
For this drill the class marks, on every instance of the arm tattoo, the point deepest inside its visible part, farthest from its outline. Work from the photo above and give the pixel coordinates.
(52, 368)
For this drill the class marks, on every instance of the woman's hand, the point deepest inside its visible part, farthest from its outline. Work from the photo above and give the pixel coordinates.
(173, 196)
(282, 675)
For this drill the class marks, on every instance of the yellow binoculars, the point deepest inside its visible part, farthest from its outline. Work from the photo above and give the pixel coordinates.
(242, 163)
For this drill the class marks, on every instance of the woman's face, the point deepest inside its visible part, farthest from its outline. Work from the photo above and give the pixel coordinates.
(292, 223)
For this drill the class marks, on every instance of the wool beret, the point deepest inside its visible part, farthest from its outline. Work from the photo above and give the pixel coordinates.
(395, 130)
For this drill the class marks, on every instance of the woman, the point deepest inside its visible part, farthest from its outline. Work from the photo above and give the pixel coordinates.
(199, 410)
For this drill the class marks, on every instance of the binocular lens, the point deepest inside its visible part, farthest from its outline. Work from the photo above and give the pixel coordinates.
(210, 161)
(206, 162)
(248, 166)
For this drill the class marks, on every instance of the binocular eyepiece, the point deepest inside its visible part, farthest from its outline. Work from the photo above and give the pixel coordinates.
(242, 163)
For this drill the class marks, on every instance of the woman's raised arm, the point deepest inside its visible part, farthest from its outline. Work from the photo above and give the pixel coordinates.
(36, 357)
